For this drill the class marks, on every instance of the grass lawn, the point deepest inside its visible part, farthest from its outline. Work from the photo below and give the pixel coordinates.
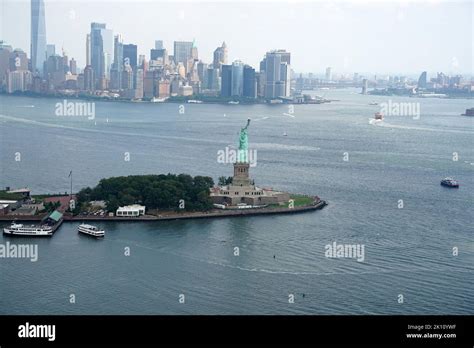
(301, 200)
(298, 201)
(41, 197)
(10, 196)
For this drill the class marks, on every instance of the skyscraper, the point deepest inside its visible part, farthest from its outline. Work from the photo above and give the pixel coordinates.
(226, 85)
(285, 56)
(127, 78)
(157, 53)
(130, 55)
(17, 80)
(237, 78)
(55, 70)
(250, 82)
(117, 65)
(272, 70)
(202, 73)
(160, 55)
(213, 79)
(96, 49)
(194, 51)
(18, 60)
(139, 76)
(422, 80)
(73, 66)
(181, 70)
(141, 60)
(108, 55)
(65, 63)
(102, 47)
(365, 86)
(158, 44)
(118, 53)
(5, 51)
(148, 85)
(285, 78)
(220, 56)
(260, 81)
(88, 49)
(263, 64)
(277, 74)
(328, 73)
(89, 84)
(50, 51)
(38, 36)
(182, 52)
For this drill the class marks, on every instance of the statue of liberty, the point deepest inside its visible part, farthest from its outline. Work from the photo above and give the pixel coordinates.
(242, 156)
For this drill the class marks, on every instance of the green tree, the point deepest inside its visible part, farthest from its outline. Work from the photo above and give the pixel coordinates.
(163, 191)
(112, 204)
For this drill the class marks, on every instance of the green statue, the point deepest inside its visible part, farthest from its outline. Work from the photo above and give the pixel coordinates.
(243, 144)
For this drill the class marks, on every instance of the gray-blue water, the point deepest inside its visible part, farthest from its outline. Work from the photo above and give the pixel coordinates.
(408, 251)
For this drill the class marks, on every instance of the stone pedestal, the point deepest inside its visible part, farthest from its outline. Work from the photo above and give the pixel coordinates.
(241, 174)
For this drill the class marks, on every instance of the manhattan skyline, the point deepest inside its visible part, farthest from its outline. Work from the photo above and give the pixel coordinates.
(393, 37)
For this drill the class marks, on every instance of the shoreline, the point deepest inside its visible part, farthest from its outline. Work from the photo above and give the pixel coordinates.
(179, 216)
(91, 98)
(185, 100)
(170, 100)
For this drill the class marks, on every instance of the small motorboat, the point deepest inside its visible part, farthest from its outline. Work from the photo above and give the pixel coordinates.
(449, 182)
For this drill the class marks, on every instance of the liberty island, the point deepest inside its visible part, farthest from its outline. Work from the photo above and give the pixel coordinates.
(239, 197)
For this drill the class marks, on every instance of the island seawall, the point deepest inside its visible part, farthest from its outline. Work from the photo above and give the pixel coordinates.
(181, 216)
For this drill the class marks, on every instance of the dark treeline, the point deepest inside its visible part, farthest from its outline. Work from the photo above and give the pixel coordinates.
(225, 181)
(154, 191)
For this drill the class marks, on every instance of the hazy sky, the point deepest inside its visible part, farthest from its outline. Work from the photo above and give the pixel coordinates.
(350, 36)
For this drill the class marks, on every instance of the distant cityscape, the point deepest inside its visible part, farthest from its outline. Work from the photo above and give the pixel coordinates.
(115, 70)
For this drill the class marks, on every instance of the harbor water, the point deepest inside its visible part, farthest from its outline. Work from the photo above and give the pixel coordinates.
(381, 180)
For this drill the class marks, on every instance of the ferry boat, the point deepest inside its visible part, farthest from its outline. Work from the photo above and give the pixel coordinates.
(373, 103)
(449, 182)
(469, 112)
(378, 116)
(30, 231)
(432, 95)
(158, 100)
(91, 230)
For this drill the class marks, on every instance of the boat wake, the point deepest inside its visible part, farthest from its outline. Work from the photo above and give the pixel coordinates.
(394, 126)
(375, 122)
(101, 131)
(275, 146)
(260, 118)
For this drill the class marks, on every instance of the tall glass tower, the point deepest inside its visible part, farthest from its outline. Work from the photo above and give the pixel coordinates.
(97, 49)
(277, 74)
(237, 78)
(102, 50)
(38, 36)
